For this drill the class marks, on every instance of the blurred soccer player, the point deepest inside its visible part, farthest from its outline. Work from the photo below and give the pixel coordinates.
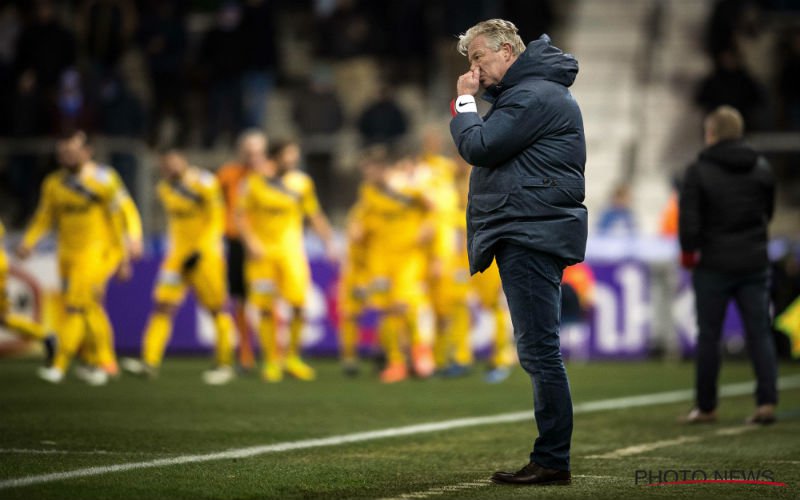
(81, 201)
(398, 230)
(355, 278)
(97, 351)
(275, 200)
(25, 327)
(193, 203)
(252, 150)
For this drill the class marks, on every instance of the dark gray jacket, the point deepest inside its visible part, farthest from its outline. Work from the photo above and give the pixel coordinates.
(529, 153)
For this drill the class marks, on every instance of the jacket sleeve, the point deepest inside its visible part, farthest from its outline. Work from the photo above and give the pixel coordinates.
(514, 125)
(690, 219)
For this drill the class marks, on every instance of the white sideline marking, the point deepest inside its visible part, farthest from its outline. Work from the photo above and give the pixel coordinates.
(26, 451)
(409, 430)
(439, 490)
(655, 445)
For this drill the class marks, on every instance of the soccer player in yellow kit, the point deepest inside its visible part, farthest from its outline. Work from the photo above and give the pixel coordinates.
(354, 278)
(23, 326)
(275, 200)
(398, 228)
(193, 203)
(98, 350)
(81, 201)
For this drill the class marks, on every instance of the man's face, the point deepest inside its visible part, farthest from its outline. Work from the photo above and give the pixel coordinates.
(172, 166)
(289, 158)
(491, 65)
(252, 151)
(71, 154)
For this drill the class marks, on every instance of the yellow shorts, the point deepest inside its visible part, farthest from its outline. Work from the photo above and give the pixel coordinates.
(397, 279)
(206, 278)
(280, 274)
(450, 289)
(83, 278)
(487, 285)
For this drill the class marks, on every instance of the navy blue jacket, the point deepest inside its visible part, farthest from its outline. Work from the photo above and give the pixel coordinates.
(528, 152)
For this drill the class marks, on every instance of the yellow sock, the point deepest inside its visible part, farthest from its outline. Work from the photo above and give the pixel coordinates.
(442, 343)
(295, 332)
(410, 320)
(71, 335)
(502, 343)
(159, 329)
(390, 336)
(224, 348)
(459, 333)
(348, 338)
(267, 334)
(24, 326)
(103, 334)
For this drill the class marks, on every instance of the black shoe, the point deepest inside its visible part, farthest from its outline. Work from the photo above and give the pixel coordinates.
(50, 345)
(533, 474)
(350, 369)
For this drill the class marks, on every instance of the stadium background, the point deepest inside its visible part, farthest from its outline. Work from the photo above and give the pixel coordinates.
(343, 74)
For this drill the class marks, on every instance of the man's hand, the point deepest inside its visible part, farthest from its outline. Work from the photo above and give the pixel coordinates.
(23, 252)
(469, 83)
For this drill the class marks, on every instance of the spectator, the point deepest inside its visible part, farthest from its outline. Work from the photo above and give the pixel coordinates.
(106, 27)
(261, 60)
(223, 59)
(163, 40)
(617, 218)
(726, 202)
(730, 83)
(45, 49)
(383, 121)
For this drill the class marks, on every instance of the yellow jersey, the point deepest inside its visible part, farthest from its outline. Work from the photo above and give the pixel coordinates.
(83, 208)
(195, 212)
(129, 216)
(438, 174)
(275, 208)
(394, 216)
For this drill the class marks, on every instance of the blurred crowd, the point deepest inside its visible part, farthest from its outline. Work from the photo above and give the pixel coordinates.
(756, 62)
(195, 73)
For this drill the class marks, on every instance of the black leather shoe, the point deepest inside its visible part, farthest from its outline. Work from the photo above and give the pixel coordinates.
(533, 474)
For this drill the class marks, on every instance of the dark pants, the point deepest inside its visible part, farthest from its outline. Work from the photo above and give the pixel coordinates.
(532, 284)
(713, 290)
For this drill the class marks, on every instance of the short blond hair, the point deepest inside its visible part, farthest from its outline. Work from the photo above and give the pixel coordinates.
(497, 32)
(725, 123)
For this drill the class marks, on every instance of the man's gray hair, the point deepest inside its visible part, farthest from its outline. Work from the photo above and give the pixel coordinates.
(497, 32)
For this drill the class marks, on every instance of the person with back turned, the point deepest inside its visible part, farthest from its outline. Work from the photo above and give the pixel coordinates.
(525, 209)
(726, 203)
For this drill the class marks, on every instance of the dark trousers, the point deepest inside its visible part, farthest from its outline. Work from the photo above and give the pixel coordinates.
(532, 284)
(713, 290)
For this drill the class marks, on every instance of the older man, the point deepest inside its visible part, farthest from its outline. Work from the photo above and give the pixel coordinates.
(525, 209)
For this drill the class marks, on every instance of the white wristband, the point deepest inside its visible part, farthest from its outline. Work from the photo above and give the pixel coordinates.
(466, 104)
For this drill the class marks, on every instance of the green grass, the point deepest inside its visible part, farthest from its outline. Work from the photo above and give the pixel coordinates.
(132, 420)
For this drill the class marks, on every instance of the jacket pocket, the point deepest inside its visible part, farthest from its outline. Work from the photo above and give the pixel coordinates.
(483, 207)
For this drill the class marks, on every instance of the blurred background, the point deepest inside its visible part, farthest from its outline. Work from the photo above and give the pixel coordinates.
(342, 74)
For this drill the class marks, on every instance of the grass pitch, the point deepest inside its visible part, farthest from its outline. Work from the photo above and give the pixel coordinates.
(47, 429)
